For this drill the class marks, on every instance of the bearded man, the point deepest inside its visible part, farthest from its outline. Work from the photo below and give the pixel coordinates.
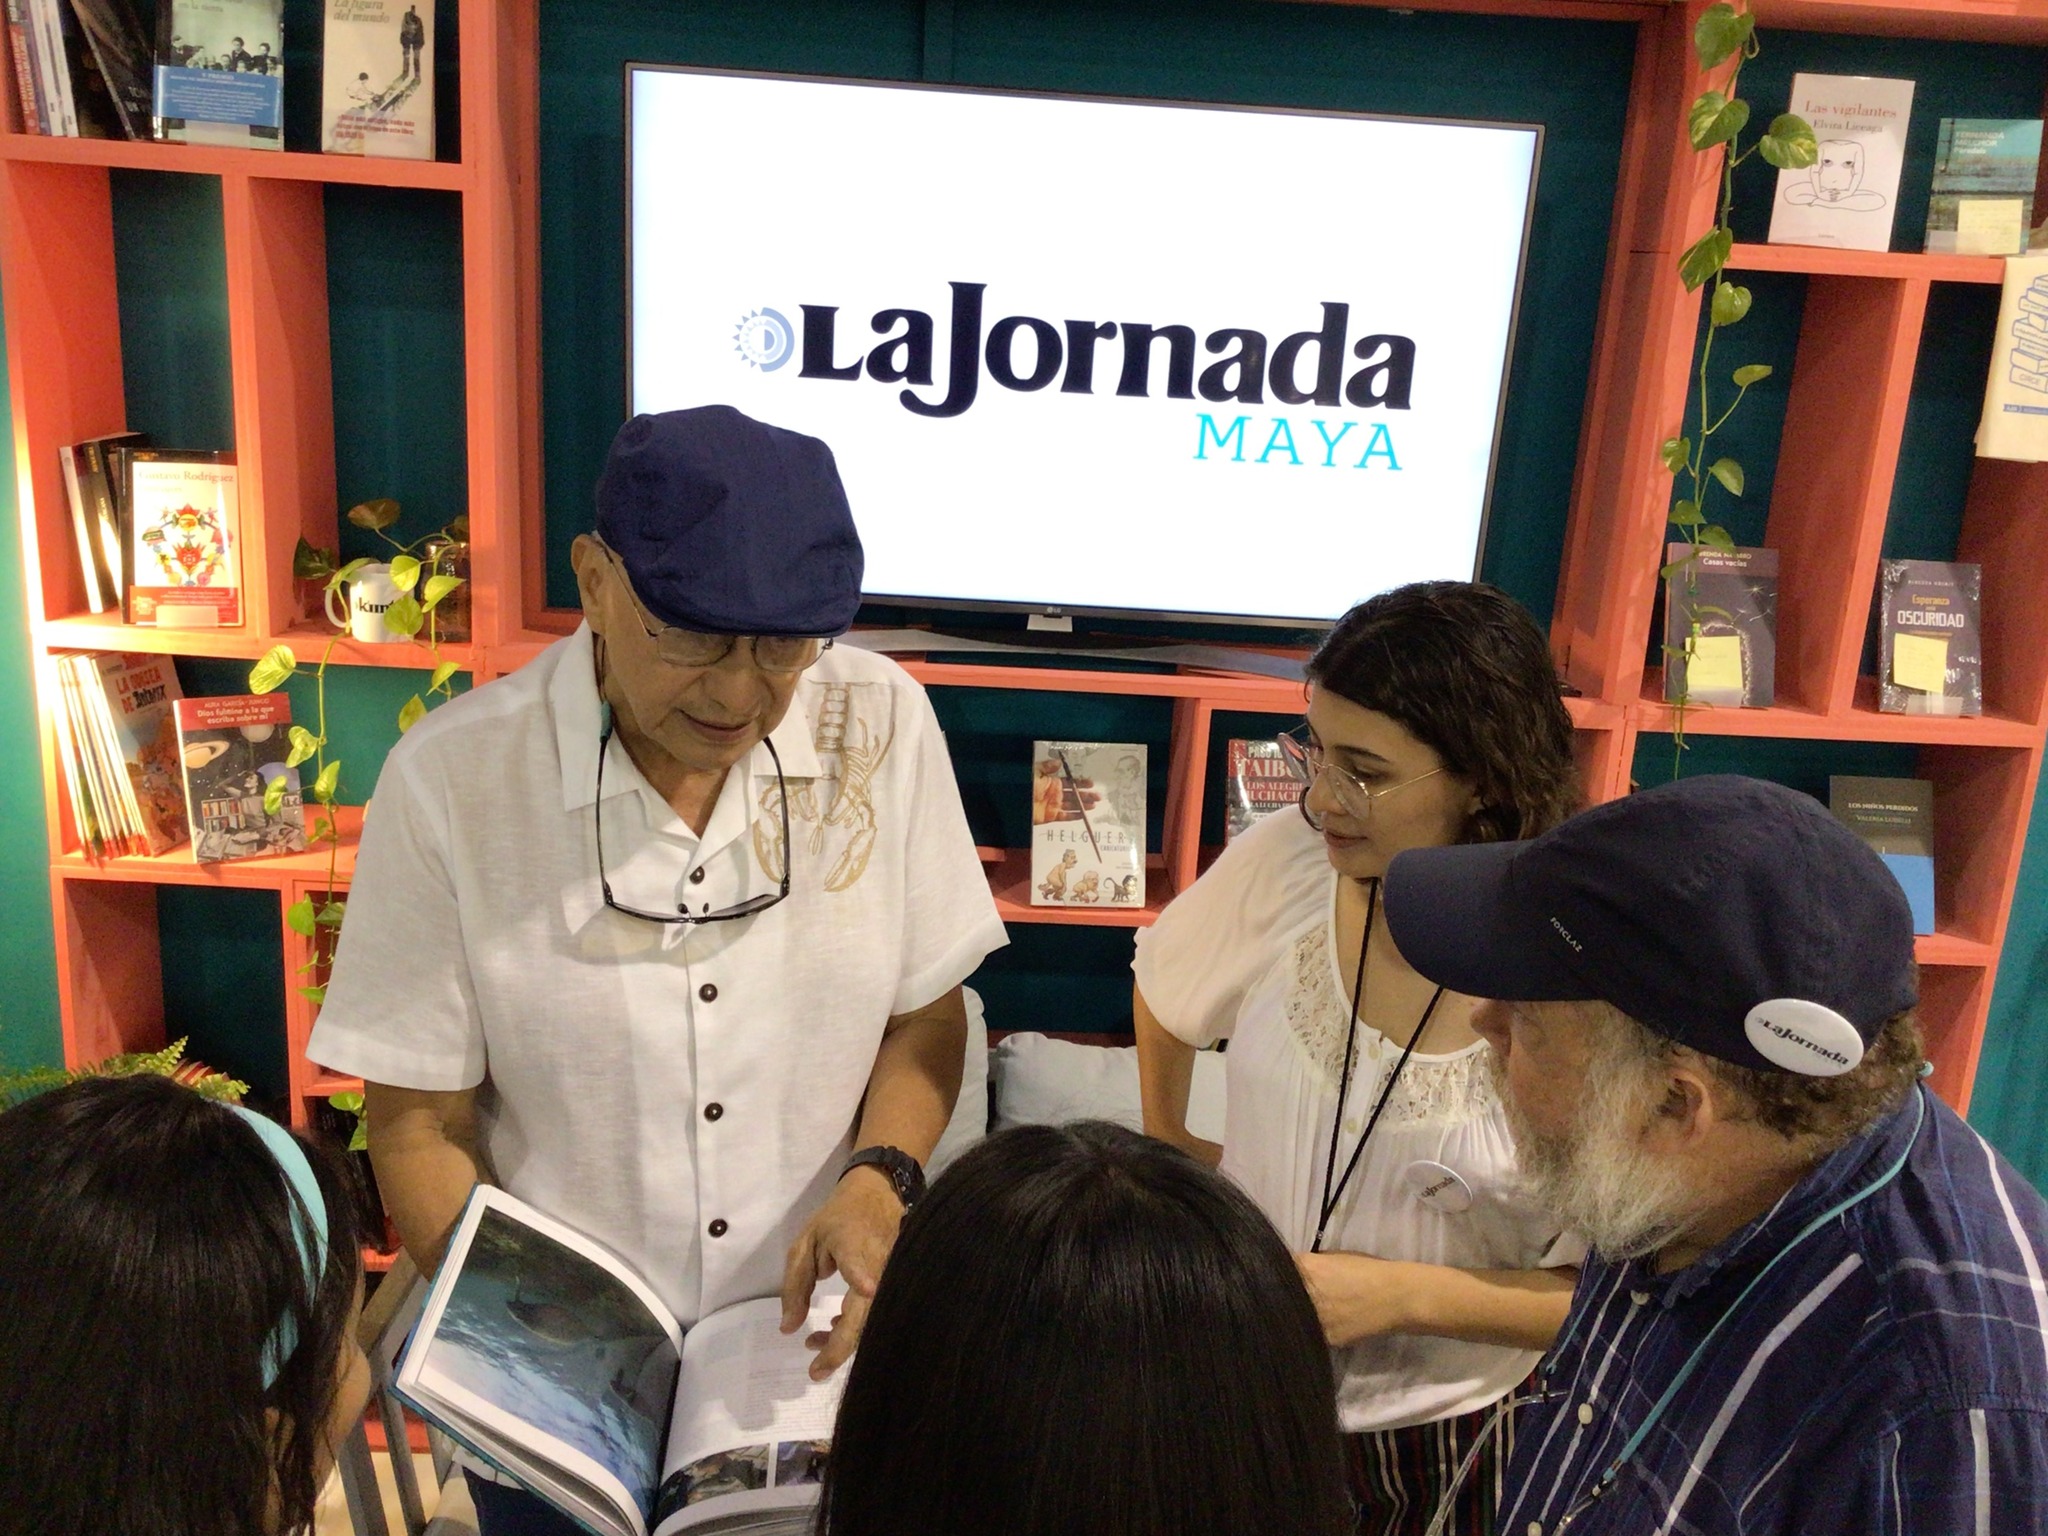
(1815, 1297)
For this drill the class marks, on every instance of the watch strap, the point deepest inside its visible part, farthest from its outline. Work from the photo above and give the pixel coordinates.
(904, 1171)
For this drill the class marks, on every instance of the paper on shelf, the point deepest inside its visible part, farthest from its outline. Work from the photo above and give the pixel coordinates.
(1920, 661)
(1715, 664)
(1990, 226)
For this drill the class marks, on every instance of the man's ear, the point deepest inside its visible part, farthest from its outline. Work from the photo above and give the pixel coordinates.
(1692, 1105)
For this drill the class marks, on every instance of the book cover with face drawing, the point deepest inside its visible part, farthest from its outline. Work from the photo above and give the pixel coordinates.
(1087, 824)
(1849, 195)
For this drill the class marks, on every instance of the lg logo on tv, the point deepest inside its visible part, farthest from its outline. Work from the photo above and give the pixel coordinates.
(1025, 354)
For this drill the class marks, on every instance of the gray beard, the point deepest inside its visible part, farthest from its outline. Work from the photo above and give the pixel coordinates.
(1594, 1177)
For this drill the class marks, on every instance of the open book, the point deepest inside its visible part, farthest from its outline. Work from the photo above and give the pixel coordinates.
(545, 1356)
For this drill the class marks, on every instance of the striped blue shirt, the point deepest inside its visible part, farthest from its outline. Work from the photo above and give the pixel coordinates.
(1888, 1375)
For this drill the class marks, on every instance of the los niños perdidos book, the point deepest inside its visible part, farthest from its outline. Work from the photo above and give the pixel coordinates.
(1896, 818)
(544, 1355)
(1087, 824)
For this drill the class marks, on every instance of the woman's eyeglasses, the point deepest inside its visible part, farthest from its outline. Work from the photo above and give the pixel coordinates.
(1305, 755)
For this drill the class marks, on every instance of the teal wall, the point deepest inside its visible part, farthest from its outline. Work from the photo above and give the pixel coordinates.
(395, 297)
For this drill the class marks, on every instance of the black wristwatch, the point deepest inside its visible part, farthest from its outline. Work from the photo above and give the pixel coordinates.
(905, 1172)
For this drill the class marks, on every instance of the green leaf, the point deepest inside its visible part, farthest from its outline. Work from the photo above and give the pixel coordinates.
(331, 913)
(1729, 473)
(1789, 143)
(439, 587)
(310, 562)
(347, 572)
(1719, 32)
(1730, 303)
(376, 515)
(1715, 119)
(1686, 514)
(405, 572)
(268, 675)
(1717, 537)
(1751, 373)
(1704, 257)
(359, 1138)
(442, 673)
(1666, 572)
(304, 745)
(273, 794)
(323, 787)
(411, 713)
(458, 528)
(347, 1103)
(299, 917)
(405, 616)
(1675, 452)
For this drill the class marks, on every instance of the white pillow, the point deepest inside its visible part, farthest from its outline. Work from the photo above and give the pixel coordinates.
(1042, 1081)
(970, 1114)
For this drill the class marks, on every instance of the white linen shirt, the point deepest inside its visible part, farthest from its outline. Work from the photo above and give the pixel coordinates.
(653, 1085)
(1248, 952)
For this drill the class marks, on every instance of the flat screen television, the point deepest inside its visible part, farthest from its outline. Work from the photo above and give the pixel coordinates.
(1091, 356)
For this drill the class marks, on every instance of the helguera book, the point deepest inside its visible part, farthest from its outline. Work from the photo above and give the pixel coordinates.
(1259, 781)
(184, 543)
(1896, 818)
(1731, 657)
(377, 92)
(232, 748)
(1930, 638)
(542, 1353)
(1087, 824)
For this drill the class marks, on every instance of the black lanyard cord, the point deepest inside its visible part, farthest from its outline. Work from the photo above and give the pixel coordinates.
(1332, 1196)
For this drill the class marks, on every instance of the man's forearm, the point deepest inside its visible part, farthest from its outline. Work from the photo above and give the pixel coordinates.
(916, 1078)
(425, 1150)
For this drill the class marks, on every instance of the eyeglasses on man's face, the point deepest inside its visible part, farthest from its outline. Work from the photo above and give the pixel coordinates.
(1310, 762)
(782, 654)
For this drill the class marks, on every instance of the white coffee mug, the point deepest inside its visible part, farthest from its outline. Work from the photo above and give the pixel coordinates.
(370, 591)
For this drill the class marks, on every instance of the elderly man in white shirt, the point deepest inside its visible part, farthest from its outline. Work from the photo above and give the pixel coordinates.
(666, 932)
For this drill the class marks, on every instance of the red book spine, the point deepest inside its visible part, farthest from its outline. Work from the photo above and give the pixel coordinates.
(24, 74)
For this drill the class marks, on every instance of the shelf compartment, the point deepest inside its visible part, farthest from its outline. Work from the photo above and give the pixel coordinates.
(205, 160)
(1861, 722)
(106, 632)
(178, 867)
(1826, 261)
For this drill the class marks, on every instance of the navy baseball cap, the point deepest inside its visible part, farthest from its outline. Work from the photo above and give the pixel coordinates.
(729, 526)
(1729, 914)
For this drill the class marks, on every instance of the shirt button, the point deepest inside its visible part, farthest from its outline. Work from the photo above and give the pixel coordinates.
(1638, 1298)
(1585, 1413)
(708, 993)
(697, 875)
(717, 1228)
(1535, 1528)
(714, 1111)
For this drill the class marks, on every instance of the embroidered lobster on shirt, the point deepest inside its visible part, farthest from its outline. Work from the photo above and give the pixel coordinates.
(839, 803)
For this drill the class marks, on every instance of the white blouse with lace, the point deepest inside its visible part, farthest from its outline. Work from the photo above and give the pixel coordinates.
(1247, 953)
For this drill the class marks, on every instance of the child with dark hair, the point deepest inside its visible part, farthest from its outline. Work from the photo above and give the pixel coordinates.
(1361, 1113)
(177, 1343)
(1082, 1331)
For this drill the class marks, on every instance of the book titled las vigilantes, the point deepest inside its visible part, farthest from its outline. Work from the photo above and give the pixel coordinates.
(543, 1354)
(1087, 824)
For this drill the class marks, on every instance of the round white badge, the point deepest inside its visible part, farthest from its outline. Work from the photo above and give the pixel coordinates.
(1804, 1037)
(1437, 1187)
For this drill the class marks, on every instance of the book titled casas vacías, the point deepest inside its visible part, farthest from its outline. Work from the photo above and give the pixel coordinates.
(544, 1355)
(219, 76)
(1721, 626)
(1260, 780)
(377, 91)
(1896, 818)
(1982, 201)
(184, 540)
(1087, 824)
(232, 748)
(1930, 638)
(1849, 196)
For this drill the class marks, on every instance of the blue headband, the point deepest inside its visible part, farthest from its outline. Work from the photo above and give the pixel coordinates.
(309, 1221)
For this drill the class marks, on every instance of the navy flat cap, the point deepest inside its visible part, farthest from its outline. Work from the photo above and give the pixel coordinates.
(1730, 914)
(729, 526)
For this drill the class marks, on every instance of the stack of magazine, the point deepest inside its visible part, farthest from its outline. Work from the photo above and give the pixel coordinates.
(118, 751)
(547, 1357)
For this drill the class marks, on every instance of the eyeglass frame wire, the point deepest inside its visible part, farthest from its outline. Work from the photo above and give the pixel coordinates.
(824, 642)
(1310, 761)
(685, 917)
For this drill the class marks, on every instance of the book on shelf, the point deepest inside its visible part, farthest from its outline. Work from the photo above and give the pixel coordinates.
(184, 544)
(100, 585)
(1721, 626)
(95, 520)
(2014, 423)
(46, 59)
(219, 73)
(232, 748)
(1259, 780)
(544, 1355)
(119, 749)
(1930, 638)
(27, 88)
(1982, 202)
(1088, 824)
(1847, 198)
(119, 38)
(377, 88)
(1896, 818)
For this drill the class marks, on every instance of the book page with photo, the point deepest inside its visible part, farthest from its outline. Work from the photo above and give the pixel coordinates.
(219, 75)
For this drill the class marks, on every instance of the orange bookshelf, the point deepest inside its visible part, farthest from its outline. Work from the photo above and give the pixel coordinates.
(1860, 338)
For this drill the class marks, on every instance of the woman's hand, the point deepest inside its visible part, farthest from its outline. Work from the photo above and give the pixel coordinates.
(1358, 1296)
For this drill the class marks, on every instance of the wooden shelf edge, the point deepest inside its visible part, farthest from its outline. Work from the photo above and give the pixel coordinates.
(325, 1084)
(1826, 261)
(209, 160)
(178, 867)
(1861, 723)
(1009, 881)
(1950, 949)
(1985, 21)
(105, 632)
